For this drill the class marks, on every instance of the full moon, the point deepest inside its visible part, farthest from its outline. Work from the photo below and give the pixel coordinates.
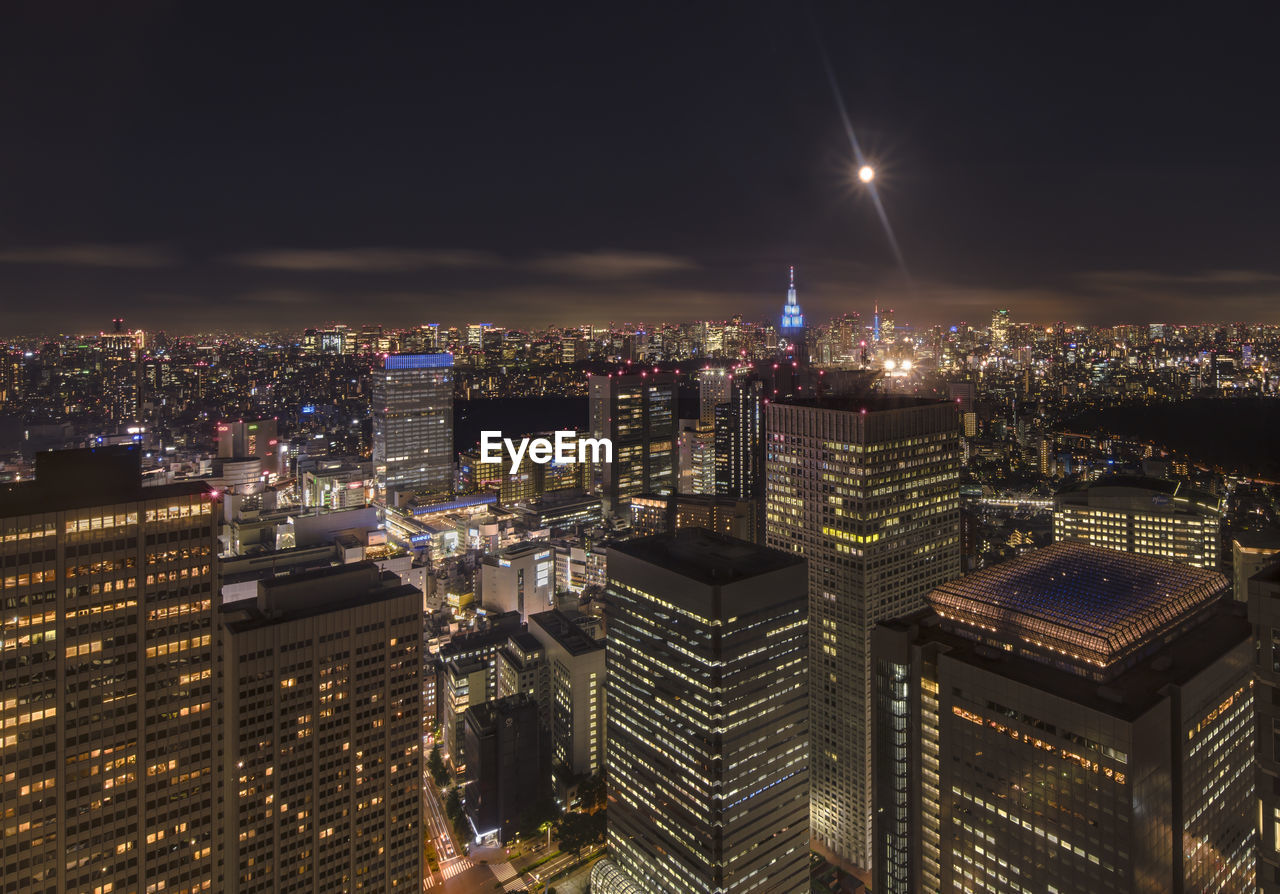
(866, 173)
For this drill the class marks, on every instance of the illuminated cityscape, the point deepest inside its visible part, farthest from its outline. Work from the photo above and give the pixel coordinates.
(680, 450)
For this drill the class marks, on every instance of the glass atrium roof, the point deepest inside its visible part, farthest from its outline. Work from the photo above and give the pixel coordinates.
(1091, 605)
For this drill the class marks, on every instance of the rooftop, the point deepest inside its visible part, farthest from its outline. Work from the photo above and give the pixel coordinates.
(569, 635)
(1081, 605)
(319, 591)
(707, 557)
(1139, 487)
(1126, 695)
(94, 476)
(871, 403)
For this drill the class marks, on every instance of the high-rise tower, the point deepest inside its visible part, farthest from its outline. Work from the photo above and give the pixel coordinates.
(1075, 719)
(869, 492)
(794, 342)
(106, 679)
(413, 423)
(640, 415)
(708, 717)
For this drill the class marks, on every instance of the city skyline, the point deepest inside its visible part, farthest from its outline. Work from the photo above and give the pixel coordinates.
(751, 448)
(361, 162)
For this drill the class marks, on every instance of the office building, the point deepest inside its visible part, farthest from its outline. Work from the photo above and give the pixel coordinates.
(337, 484)
(413, 423)
(520, 578)
(999, 329)
(1146, 516)
(715, 386)
(107, 734)
(722, 515)
(739, 440)
(1263, 590)
(708, 717)
(577, 718)
(506, 769)
(529, 482)
(1075, 719)
(476, 333)
(639, 414)
(697, 459)
(322, 762)
(523, 669)
(1251, 551)
(258, 438)
(868, 492)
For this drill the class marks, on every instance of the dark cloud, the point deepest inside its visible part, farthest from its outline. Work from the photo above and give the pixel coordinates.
(129, 257)
(364, 260)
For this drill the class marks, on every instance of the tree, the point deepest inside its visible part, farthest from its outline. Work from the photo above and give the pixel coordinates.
(592, 792)
(453, 804)
(534, 818)
(577, 830)
(435, 763)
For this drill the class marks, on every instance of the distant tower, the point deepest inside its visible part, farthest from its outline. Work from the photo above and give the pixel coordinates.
(999, 329)
(794, 343)
(118, 323)
(875, 325)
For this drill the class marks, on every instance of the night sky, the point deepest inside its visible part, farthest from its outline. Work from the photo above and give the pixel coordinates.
(207, 165)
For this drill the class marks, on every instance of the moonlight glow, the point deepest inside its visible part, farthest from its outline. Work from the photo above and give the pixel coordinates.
(866, 173)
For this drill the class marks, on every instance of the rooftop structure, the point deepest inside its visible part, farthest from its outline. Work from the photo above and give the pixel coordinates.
(1082, 608)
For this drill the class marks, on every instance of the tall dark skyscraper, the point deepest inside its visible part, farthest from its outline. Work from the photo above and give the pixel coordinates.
(1075, 719)
(639, 414)
(106, 679)
(708, 741)
(1263, 591)
(868, 492)
(739, 439)
(413, 423)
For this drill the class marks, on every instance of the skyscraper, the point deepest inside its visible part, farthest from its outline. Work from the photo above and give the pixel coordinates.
(413, 423)
(322, 713)
(868, 492)
(715, 385)
(639, 414)
(106, 678)
(708, 717)
(999, 329)
(1147, 516)
(739, 440)
(794, 336)
(1263, 590)
(1075, 719)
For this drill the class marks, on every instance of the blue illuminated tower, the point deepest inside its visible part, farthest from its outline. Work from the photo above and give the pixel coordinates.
(794, 344)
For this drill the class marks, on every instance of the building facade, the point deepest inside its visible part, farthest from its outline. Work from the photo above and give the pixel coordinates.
(708, 713)
(1146, 516)
(577, 669)
(505, 765)
(322, 713)
(868, 492)
(107, 733)
(521, 578)
(1264, 614)
(1075, 719)
(639, 414)
(413, 423)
